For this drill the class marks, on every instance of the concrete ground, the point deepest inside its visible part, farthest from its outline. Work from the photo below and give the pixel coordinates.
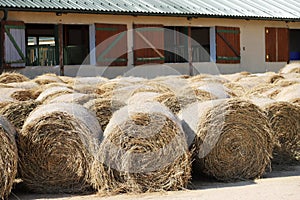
(279, 184)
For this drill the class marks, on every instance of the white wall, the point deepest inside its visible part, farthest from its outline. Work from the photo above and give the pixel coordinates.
(252, 38)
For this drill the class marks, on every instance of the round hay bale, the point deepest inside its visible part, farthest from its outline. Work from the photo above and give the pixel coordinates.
(208, 78)
(230, 142)
(17, 94)
(237, 89)
(284, 118)
(104, 109)
(290, 93)
(47, 78)
(107, 89)
(9, 77)
(235, 77)
(3, 85)
(77, 98)
(17, 112)
(263, 90)
(25, 85)
(87, 85)
(8, 158)
(56, 148)
(53, 92)
(151, 86)
(291, 68)
(144, 150)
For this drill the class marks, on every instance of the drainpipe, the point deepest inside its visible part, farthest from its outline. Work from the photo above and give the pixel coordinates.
(5, 15)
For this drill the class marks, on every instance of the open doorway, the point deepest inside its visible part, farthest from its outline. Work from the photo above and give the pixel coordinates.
(41, 45)
(76, 44)
(294, 44)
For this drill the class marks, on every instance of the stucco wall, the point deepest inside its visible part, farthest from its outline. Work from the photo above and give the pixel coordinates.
(252, 38)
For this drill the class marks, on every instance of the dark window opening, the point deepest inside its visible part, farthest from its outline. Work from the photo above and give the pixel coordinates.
(76, 44)
(41, 47)
(200, 44)
(294, 44)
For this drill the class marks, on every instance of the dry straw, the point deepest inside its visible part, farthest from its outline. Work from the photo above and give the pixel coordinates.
(230, 142)
(290, 94)
(8, 158)
(53, 92)
(144, 150)
(17, 112)
(12, 78)
(291, 68)
(77, 98)
(47, 78)
(56, 148)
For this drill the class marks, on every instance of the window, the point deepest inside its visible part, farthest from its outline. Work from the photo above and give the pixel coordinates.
(277, 44)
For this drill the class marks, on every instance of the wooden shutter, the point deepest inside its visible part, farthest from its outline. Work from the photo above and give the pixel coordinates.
(277, 44)
(228, 44)
(148, 44)
(111, 44)
(14, 43)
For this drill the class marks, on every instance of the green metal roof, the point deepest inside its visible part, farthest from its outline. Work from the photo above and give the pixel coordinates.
(258, 9)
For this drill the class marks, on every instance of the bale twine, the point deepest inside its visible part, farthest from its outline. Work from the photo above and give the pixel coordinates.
(291, 68)
(144, 150)
(104, 109)
(8, 158)
(230, 142)
(53, 92)
(284, 118)
(17, 112)
(77, 98)
(56, 148)
(47, 78)
(8, 77)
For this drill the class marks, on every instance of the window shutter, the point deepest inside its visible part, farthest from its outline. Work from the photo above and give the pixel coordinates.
(14, 48)
(148, 44)
(111, 44)
(277, 44)
(228, 44)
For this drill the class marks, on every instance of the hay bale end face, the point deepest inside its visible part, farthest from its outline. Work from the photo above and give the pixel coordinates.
(144, 150)
(56, 147)
(231, 144)
(8, 158)
(284, 118)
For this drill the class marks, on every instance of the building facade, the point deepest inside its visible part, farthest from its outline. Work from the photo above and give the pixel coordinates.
(82, 42)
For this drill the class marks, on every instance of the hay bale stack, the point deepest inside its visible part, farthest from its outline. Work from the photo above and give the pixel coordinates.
(8, 158)
(291, 68)
(47, 78)
(144, 150)
(8, 77)
(103, 109)
(17, 112)
(284, 118)
(230, 142)
(56, 148)
(77, 98)
(53, 92)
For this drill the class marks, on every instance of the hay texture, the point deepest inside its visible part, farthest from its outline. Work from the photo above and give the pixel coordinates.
(291, 68)
(52, 93)
(104, 109)
(17, 112)
(77, 98)
(8, 77)
(87, 85)
(8, 158)
(47, 78)
(263, 91)
(289, 94)
(230, 142)
(284, 118)
(144, 150)
(56, 148)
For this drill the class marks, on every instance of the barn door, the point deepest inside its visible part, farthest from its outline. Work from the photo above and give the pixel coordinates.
(111, 44)
(14, 48)
(148, 44)
(228, 44)
(277, 44)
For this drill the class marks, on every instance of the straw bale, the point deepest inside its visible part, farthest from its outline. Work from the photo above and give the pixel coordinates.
(17, 112)
(230, 142)
(13, 77)
(56, 148)
(47, 78)
(8, 158)
(291, 68)
(284, 118)
(53, 92)
(24, 85)
(236, 76)
(77, 98)
(290, 93)
(264, 90)
(104, 109)
(144, 150)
